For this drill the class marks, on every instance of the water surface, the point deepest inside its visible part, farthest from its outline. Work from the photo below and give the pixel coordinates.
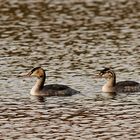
(71, 40)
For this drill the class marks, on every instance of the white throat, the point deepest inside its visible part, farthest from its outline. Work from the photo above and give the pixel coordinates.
(36, 90)
(109, 86)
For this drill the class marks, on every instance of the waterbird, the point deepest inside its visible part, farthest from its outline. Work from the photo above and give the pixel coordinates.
(112, 86)
(39, 89)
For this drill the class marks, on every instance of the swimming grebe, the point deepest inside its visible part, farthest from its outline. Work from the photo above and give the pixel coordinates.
(112, 86)
(48, 90)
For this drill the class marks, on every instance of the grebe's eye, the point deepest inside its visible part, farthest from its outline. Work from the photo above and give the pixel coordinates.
(40, 76)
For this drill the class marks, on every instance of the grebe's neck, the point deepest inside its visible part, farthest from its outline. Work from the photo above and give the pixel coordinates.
(110, 84)
(38, 85)
(111, 80)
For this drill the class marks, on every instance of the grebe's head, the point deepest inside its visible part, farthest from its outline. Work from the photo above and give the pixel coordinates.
(37, 72)
(106, 73)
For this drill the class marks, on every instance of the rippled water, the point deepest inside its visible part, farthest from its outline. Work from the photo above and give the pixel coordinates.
(71, 40)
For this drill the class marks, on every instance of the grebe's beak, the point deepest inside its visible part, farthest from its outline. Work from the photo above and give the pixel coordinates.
(98, 74)
(25, 74)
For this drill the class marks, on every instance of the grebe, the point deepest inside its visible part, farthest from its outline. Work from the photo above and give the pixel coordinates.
(48, 90)
(112, 86)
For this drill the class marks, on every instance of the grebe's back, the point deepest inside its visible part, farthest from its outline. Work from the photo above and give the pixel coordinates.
(127, 86)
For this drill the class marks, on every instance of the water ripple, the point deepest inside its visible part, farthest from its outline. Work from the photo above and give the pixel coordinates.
(71, 40)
